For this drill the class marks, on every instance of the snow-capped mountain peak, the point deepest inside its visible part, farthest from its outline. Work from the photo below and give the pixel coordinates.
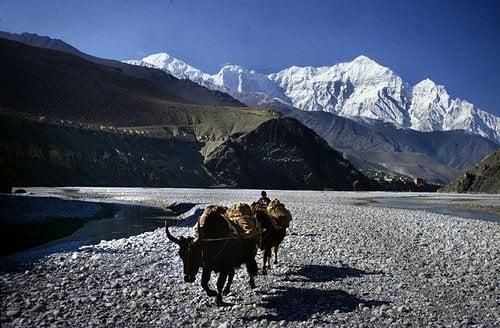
(428, 86)
(239, 79)
(363, 59)
(174, 66)
(358, 88)
(432, 108)
(366, 71)
(160, 60)
(426, 83)
(231, 77)
(361, 87)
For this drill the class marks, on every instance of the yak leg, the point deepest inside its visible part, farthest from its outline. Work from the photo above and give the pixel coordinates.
(230, 277)
(251, 281)
(221, 281)
(252, 270)
(205, 279)
(267, 257)
(276, 255)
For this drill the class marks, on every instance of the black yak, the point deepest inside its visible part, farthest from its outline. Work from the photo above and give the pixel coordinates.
(217, 249)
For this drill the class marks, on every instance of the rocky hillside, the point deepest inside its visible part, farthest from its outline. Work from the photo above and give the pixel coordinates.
(42, 151)
(69, 121)
(58, 84)
(482, 178)
(283, 154)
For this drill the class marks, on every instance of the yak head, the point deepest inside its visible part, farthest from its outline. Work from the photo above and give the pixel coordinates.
(190, 254)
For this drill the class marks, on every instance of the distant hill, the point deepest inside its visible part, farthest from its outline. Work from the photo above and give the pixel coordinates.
(448, 147)
(404, 163)
(482, 178)
(283, 154)
(458, 148)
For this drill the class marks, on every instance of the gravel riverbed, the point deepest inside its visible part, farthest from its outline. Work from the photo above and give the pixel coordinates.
(341, 264)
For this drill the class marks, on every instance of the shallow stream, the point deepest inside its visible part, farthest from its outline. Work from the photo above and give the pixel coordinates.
(445, 207)
(128, 221)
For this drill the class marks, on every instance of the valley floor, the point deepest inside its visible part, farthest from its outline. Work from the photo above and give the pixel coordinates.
(348, 260)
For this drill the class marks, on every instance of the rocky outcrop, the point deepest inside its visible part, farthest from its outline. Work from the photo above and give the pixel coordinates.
(482, 178)
(283, 154)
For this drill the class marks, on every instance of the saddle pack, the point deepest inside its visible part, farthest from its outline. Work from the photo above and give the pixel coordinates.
(241, 214)
(281, 217)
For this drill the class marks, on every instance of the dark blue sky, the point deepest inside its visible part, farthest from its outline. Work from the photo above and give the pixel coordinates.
(455, 43)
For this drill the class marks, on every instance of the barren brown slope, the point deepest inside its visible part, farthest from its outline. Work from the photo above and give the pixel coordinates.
(51, 153)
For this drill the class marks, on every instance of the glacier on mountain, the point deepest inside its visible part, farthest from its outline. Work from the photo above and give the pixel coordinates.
(359, 88)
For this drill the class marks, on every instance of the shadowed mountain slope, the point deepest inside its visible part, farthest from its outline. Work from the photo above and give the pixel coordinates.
(58, 84)
(187, 90)
(68, 121)
(51, 153)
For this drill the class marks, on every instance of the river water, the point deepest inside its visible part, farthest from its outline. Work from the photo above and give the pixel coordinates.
(133, 219)
(128, 221)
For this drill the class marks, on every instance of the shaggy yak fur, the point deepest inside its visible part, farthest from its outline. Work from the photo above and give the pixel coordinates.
(216, 249)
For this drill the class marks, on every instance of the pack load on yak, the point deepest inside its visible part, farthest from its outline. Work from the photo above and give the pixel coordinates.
(280, 215)
(208, 211)
(241, 214)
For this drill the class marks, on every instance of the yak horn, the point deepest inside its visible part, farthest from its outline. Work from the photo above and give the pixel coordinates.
(169, 235)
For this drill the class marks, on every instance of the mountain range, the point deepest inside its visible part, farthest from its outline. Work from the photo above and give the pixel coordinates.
(65, 120)
(359, 88)
(143, 98)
